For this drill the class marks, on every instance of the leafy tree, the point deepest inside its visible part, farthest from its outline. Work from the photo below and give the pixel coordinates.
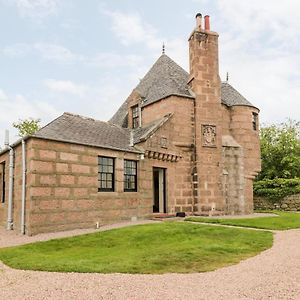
(280, 150)
(27, 126)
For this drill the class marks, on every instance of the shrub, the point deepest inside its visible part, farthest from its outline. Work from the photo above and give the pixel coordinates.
(278, 188)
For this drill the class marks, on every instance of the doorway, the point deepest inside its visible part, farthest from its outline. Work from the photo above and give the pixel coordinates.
(159, 190)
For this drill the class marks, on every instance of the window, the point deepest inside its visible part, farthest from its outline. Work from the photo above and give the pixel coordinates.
(254, 120)
(2, 183)
(130, 176)
(106, 174)
(135, 116)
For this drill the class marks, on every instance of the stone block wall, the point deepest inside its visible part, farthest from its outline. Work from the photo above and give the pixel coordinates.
(183, 115)
(179, 173)
(63, 188)
(288, 203)
(241, 128)
(233, 176)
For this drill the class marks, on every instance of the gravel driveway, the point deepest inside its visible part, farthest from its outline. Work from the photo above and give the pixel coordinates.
(274, 274)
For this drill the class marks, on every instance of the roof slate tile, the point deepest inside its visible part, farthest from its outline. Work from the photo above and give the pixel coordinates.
(166, 78)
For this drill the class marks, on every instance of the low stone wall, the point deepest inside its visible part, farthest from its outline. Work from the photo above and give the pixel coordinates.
(291, 203)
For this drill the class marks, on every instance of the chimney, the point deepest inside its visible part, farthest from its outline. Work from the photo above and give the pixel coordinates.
(198, 21)
(206, 23)
(204, 61)
(205, 83)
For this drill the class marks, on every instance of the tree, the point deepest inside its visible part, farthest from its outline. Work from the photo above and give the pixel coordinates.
(27, 126)
(280, 150)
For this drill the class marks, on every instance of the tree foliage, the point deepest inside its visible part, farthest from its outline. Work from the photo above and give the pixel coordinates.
(27, 126)
(276, 189)
(280, 150)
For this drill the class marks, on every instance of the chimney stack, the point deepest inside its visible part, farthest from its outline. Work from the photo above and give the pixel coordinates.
(206, 23)
(198, 21)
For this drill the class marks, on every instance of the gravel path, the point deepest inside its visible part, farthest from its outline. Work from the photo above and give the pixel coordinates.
(274, 274)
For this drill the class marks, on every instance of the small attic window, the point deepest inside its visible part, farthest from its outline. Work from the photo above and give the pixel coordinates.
(135, 116)
(254, 121)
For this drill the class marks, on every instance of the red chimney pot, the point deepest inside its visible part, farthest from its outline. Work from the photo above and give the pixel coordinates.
(206, 23)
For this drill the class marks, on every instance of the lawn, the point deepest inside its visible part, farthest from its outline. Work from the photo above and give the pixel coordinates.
(284, 220)
(168, 247)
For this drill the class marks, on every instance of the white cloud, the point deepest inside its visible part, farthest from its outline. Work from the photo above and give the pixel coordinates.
(66, 86)
(37, 8)
(267, 22)
(113, 60)
(131, 29)
(3, 96)
(177, 49)
(47, 51)
(60, 54)
(15, 107)
(55, 52)
(259, 48)
(16, 50)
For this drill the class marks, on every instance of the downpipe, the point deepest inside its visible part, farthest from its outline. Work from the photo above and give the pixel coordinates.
(10, 189)
(23, 187)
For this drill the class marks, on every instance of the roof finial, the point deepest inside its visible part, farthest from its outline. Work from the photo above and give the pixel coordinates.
(163, 48)
(227, 77)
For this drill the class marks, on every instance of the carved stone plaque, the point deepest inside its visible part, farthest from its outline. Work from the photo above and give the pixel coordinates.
(164, 142)
(209, 133)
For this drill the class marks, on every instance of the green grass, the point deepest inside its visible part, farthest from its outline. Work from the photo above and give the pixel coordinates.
(284, 221)
(154, 248)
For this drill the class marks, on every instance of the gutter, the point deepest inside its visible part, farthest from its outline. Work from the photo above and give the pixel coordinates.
(72, 142)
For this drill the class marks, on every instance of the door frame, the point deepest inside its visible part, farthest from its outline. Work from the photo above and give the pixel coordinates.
(162, 201)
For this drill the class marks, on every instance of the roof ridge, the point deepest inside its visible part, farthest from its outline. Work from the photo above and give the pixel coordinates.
(49, 123)
(93, 119)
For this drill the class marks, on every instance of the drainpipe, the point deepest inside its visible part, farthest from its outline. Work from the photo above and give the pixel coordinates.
(23, 187)
(10, 184)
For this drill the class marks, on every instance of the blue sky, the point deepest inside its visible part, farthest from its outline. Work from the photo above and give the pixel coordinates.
(85, 57)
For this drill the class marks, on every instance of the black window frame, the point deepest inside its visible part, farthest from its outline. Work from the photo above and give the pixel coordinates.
(135, 116)
(254, 121)
(130, 174)
(2, 196)
(103, 171)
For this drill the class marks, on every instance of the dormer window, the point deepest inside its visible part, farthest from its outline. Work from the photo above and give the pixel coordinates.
(254, 120)
(135, 116)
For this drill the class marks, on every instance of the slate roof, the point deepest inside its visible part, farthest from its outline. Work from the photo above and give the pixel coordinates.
(81, 130)
(121, 116)
(231, 97)
(141, 134)
(166, 78)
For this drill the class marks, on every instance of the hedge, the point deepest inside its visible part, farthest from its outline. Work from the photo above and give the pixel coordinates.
(278, 188)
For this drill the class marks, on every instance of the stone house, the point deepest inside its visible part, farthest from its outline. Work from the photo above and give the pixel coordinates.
(181, 142)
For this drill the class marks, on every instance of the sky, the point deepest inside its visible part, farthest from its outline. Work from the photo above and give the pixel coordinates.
(85, 57)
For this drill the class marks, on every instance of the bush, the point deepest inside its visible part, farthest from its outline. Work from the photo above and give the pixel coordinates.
(278, 188)
(280, 150)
